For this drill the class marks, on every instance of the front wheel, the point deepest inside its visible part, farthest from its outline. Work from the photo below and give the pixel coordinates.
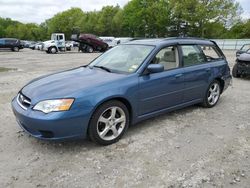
(235, 71)
(52, 50)
(108, 123)
(212, 95)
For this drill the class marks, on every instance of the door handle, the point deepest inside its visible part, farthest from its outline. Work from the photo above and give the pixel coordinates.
(178, 75)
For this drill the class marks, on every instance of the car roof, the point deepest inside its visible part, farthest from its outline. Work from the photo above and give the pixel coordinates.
(179, 40)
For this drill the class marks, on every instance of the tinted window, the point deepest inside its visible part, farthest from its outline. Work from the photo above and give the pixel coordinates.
(168, 57)
(2, 41)
(59, 37)
(192, 55)
(9, 41)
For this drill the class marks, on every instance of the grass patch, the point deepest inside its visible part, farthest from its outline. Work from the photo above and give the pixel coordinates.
(4, 69)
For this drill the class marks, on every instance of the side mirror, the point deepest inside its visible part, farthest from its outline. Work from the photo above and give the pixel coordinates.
(155, 68)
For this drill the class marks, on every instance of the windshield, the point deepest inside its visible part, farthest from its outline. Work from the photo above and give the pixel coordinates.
(245, 47)
(123, 58)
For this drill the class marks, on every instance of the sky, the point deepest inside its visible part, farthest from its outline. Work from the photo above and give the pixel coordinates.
(37, 11)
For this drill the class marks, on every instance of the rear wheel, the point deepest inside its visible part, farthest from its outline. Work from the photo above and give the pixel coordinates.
(212, 95)
(235, 71)
(108, 123)
(15, 49)
(90, 49)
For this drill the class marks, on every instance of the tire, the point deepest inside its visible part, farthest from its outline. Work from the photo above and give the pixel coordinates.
(235, 72)
(52, 50)
(108, 123)
(90, 49)
(212, 94)
(15, 49)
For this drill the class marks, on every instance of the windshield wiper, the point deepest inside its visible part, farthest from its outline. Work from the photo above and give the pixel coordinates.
(102, 67)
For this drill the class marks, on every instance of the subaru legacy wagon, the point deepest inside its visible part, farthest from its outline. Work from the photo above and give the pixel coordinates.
(125, 85)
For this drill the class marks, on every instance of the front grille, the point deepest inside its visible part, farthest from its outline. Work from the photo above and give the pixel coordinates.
(23, 101)
(244, 63)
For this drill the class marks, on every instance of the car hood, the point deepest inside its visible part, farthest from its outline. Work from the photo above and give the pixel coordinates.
(67, 84)
(48, 41)
(244, 57)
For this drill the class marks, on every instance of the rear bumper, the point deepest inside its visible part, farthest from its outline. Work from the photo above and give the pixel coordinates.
(227, 81)
(66, 125)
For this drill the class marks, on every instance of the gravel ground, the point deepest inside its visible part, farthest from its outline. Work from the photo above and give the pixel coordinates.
(193, 147)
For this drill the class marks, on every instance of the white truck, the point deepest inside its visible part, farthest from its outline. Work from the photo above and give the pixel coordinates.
(56, 44)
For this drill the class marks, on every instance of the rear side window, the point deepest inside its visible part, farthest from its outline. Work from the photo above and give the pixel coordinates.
(192, 55)
(199, 54)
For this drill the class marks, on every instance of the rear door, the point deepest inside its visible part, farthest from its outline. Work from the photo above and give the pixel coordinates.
(197, 72)
(162, 90)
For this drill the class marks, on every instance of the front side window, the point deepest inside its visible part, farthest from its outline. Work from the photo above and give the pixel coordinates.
(192, 55)
(123, 58)
(2, 41)
(168, 57)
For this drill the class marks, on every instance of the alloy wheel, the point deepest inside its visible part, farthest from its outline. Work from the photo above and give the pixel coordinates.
(213, 93)
(111, 123)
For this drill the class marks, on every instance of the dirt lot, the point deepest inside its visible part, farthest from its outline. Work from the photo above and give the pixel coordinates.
(193, 147)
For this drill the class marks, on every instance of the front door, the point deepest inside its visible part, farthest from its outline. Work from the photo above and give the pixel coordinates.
(162, 90)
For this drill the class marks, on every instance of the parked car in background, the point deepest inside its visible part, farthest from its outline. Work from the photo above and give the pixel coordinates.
(26, 44)
(243, 49)
(123, 40)
(242, 65)
(69, 45)
(127, 84)
(111, 41)
(11, 43)
(89, 43)
(32, 45)
(39, 46)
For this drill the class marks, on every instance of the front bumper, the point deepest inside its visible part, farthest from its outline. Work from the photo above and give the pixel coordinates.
(72, 124)
(244, 69)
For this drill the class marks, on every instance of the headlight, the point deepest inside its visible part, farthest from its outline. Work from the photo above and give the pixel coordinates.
(54, 105)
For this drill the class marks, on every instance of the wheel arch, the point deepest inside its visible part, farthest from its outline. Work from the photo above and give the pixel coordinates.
(54, 46)
(222, 83)
(120, 99)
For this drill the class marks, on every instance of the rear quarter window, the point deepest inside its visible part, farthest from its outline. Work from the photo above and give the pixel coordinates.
(211, 53)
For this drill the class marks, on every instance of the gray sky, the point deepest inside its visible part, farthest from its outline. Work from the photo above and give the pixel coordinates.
(38, 10)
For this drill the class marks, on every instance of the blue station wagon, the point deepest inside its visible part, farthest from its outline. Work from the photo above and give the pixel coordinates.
(125, 85)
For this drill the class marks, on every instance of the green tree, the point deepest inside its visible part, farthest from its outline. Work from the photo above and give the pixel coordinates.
(199, 13)
(105, 23)
(64, 22)
(149, 18)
